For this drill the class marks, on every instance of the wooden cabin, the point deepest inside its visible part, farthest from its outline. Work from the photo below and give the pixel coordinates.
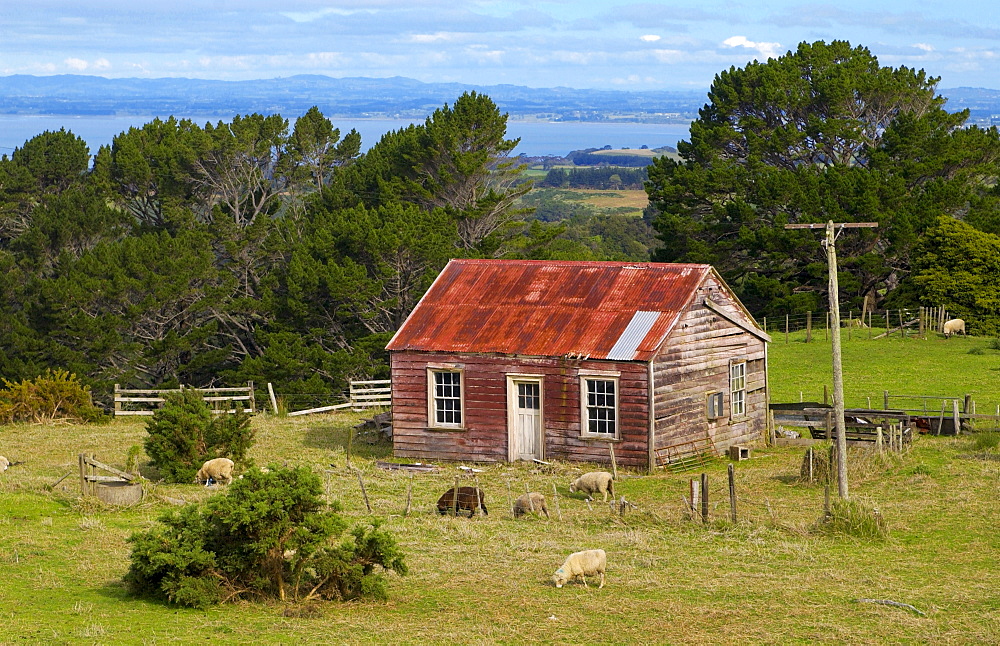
(507, 360)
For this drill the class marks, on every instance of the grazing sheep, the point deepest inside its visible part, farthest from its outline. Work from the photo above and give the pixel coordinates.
(217, 470)
(4, 463)
(954, 326)
(530, 502)
(582, 565)
(594, 482)
(467, 501)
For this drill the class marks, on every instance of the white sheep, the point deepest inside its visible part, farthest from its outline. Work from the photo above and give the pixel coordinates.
(4, 463)
(218, 470)
(530, 502)
(594, 482)
(954, 326)
(581, 564)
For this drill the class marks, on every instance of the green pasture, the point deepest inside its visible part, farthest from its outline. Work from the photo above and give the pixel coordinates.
(770, 578)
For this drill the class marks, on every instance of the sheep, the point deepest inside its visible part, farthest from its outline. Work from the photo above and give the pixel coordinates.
(582, 565)
(467, 501)
(594, 482)
(954, 326)
(4, 463)
(530, 502)
(217, 470)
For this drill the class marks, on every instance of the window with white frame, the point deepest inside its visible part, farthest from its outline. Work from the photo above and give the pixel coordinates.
(738, 388)
(600, 406)
(445, 398)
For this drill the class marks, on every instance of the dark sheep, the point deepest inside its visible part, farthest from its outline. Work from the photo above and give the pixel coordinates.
(466, 501)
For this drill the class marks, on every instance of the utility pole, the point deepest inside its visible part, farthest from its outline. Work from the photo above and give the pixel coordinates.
(832, 229)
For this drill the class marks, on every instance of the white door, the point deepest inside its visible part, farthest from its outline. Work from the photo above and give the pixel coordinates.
(526, 418)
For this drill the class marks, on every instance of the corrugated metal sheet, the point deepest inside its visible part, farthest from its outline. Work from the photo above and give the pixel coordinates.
(636, 330)
(550, 308)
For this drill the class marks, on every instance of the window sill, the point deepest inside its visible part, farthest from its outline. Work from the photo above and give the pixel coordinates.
(600, 438)
(445, 429)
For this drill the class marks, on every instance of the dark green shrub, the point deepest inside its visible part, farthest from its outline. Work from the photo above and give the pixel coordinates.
(55, 395)
(183, 435)
(270, 535)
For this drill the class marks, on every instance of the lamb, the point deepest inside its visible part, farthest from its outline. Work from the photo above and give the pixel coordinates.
(530, 502)
(218, 470)
(594, 482)
(954, 326)
(582, 565)
(4, 463)
(468, 499)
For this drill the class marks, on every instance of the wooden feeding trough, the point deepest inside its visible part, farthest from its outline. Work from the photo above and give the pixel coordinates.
(119, 488)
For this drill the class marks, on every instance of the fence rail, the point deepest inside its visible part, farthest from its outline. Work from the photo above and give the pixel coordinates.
(138, 401)
(361, 395)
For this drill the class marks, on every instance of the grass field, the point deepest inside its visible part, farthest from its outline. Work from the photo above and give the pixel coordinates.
(769, 578)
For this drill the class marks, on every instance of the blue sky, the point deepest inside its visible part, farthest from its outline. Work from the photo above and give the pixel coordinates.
(574, 43)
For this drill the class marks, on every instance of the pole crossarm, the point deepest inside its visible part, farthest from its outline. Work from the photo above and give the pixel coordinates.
(836, 225)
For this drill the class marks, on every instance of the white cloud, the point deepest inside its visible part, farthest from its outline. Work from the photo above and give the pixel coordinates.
(649, 38)
(440, 36)
(310, 16)
(767, 50)
(668, 55)
(102, 64)
(77, 64)
(924, 46)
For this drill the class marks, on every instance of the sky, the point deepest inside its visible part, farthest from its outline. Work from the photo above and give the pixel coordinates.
(607, 44)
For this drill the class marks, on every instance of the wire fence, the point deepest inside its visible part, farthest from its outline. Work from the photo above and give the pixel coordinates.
(869, 324)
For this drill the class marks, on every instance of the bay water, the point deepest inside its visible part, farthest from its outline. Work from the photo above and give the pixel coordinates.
(538, 138)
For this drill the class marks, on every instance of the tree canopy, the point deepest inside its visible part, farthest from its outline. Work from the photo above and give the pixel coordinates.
(248, 249)
(821, 133)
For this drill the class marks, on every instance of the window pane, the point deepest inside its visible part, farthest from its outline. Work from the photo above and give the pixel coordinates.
(448, 398)
(601, 406)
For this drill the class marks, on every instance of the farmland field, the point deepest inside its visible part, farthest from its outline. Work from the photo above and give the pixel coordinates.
(771, 577)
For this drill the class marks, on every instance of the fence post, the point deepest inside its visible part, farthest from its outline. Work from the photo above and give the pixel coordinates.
(274, 400)
(409, 496)
(454, 499)
(957, 416)
(118, 404)
(364, 493)
(885, 397)
(732, 494)
(809, 326)
(786, 329)
(704, 497)
(695, 496)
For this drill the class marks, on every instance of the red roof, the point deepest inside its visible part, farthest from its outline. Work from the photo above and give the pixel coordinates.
(551, 308)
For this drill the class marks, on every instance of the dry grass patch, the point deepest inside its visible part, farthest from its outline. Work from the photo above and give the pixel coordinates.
(769, 578)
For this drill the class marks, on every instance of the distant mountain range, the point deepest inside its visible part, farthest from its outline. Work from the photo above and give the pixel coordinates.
(395, 97)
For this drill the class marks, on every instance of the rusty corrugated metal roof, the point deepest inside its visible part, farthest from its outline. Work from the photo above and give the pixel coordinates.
(550, 308)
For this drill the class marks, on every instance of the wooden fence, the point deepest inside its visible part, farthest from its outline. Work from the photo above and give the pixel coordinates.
(363, 394)
(145, 401)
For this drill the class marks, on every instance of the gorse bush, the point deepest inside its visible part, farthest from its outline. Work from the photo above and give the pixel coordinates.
(183, 435)
(270, 535)
(54, 395)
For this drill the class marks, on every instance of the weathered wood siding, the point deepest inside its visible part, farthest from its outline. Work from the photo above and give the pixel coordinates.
(694, 361)
(485, 436)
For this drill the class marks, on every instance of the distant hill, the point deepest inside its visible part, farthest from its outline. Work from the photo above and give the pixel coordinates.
(396, 97)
